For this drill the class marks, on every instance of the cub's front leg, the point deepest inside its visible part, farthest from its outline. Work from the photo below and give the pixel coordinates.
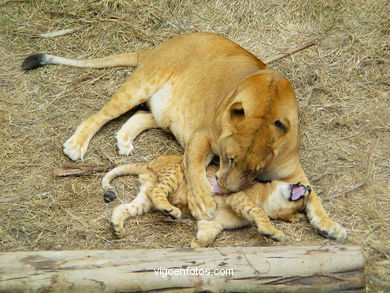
(320, 220)
(199, 193)
(245, 207)
(317, 215)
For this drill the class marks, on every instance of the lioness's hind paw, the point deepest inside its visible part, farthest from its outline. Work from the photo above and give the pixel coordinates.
(124, 147)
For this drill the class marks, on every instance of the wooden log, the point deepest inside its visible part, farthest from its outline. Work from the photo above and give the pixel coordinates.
(254, 269)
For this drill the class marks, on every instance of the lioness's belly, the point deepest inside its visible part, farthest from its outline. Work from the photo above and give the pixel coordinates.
(175, 111)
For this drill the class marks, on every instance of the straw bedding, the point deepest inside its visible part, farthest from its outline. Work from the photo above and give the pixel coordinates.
(341, 83)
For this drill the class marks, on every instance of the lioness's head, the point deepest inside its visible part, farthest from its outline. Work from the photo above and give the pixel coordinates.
(260, 136)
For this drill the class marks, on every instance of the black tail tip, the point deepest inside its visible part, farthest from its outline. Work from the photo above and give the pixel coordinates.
(109, 196)
(33, 61)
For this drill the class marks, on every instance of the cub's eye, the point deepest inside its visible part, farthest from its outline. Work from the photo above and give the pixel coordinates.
(231, 161)
(280, 125)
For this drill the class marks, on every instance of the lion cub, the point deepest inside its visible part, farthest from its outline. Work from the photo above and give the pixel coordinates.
(163, 187)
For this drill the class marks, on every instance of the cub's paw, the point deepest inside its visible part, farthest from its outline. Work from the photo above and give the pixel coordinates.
(118, 230)
(125, 147)
(173, 212)
(197, 243)
(276, 235)
(330, 230)
(202, 204)
(74, 149)
(295, 218)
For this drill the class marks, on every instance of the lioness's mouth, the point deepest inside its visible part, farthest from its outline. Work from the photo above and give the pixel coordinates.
(218, 187)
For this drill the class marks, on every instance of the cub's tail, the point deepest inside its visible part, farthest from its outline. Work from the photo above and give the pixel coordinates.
(127, 169)
(127, 59)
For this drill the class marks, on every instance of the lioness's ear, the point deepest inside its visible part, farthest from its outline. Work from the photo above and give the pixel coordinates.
(237, 111)
(282, 124)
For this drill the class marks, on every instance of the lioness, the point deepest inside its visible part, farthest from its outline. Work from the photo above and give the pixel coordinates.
(217, 99)
(163, 187)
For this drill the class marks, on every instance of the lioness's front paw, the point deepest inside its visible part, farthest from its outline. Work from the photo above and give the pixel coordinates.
(202, 206)
(125, 147)
(330, 229)
(74, 149)
(118, 230)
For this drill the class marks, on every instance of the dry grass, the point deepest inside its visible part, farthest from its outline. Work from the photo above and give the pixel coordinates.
(341, 83)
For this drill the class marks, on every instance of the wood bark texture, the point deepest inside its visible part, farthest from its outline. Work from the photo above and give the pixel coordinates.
(254, 269)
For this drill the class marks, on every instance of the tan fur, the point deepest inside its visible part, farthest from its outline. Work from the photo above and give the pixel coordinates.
(163, 187)
(216, 98)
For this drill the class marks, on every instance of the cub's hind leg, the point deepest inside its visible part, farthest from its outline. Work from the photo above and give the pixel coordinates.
(225, 219)
(244, 206)
(166, 183)
(207, 232)
(139, 206)
(135, 91)
(137, 123)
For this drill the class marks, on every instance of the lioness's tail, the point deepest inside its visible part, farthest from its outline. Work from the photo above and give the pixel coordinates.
(127, 169)
(127, 59)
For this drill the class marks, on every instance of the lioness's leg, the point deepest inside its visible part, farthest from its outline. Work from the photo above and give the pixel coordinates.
(247, 208)
(317, 214)
(197, 156)
(139, 206)
(134, 92)
(137, 123)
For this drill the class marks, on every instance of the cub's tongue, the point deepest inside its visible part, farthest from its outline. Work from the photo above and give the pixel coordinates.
(215, 187)
(297, 192)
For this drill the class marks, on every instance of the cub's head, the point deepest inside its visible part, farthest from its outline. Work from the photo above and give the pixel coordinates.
(260, 136)
(286, 201)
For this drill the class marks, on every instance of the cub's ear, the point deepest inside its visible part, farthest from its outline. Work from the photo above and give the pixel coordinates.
(237, 111)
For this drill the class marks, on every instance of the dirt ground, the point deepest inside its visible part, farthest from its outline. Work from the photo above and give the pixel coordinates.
(341, 83)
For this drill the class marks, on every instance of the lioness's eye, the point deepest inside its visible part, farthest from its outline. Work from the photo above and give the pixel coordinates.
(280, 125)
(239, 112)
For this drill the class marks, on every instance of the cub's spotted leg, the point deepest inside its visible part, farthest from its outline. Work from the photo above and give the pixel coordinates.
(247, 208)
(317, 215)
(321, 221)
(137, 123)
(166, 184)
(200, 198)
(134, 92)
(139, 206)
(207, 232)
